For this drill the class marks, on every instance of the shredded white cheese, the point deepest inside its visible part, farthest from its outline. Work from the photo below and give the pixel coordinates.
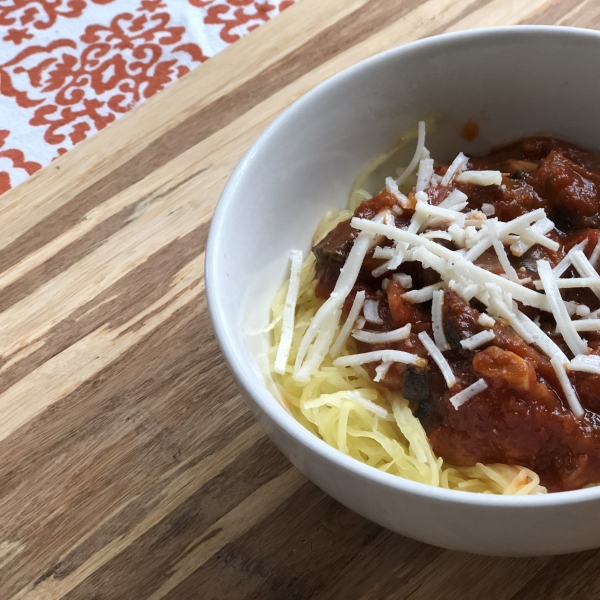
(458, 165)
(392, 187)
(458, 235)
(466, 292)
(506, 231)
(500, 251)
(429, 259)
(385, 253)
(582, 264)
(523, 325)
(404, 280)
(567, 387)
(470, 392)
(379, 337)
(436, 321)
(454, 200)
(355, 309)
(587, 363)
(371, 312)
(388, 218)
(381, 371)
(436, 234)
(540, 339)
(505, 310)
(565, 263)
(400, 356)
(522, 222)
(417, 223)
(534, 235)
(582, 310)
(573, 282)
(456, 264)
(563, 322)
(473, 234)
(479, 339)
(475, 218)
(530, 237)
(424, 174)
(424, 294)
(287, 326)
(585, 269)
(480, 177)
(486, 321)
(428, 210)
(587, 325)
(439, 359)
(489, 210)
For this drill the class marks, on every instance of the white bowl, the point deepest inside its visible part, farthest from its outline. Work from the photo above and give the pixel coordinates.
(514, 82)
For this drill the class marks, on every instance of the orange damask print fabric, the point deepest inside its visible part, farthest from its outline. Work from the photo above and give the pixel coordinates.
(69, 68)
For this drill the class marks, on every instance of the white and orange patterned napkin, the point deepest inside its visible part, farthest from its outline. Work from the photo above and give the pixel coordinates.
(69, 68)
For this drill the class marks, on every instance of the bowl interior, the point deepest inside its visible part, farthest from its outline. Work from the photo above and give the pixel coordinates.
(512, 81)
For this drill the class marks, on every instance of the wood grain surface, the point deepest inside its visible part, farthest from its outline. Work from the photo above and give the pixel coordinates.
(130, 468)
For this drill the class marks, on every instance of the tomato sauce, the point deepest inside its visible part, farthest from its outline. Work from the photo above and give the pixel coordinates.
(523, 417)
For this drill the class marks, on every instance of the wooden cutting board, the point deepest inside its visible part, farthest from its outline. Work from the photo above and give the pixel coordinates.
(130, 468)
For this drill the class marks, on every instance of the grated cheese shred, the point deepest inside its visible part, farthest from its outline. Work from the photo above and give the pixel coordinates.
(383, 337)
(382, 370)
(565, 263)
(457, 166)
(357, 304)
(587, 363)
(400, 356)
(371, 312)
(586, 270)
(457, 264)
(570, 394)
(480, 177)
(478, 340)
(501, 252)
(436, 321)
(392, 188)
(486, 321)
(470, 392)
(563, 322)
(439, 359)
(587, 325)
(425, 174)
